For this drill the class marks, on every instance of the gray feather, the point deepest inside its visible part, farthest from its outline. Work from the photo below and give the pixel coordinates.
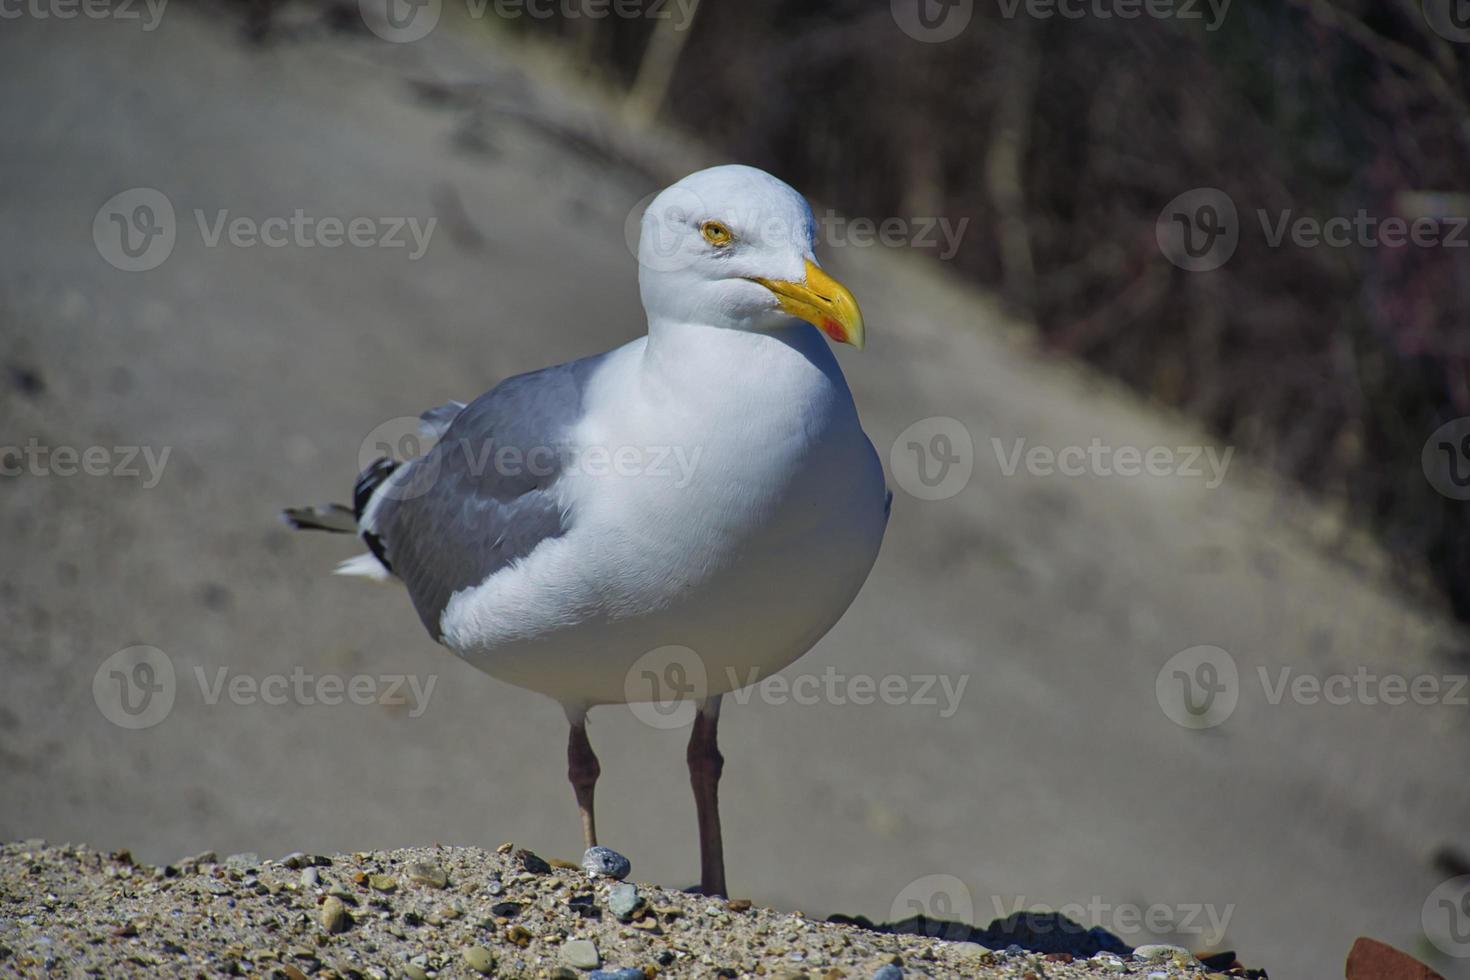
(481, 498)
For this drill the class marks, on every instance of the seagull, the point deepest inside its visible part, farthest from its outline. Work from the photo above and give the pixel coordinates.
(663, 523)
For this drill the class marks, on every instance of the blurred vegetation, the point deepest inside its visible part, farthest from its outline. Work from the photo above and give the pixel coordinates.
(1062, 139)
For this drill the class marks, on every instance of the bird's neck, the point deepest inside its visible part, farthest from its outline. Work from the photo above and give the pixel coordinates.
(675, 349)
(743, 374)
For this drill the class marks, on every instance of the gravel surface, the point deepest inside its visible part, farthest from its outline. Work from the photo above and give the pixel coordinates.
(452, 912)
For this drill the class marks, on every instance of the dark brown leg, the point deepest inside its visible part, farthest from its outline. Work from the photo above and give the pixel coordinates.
(705, 764)
(583, 770)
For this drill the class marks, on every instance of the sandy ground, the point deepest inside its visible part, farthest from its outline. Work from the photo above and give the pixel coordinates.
(465, 912)
(1053, 778)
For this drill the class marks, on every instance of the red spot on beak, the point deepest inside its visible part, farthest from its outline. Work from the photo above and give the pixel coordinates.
(833, 329)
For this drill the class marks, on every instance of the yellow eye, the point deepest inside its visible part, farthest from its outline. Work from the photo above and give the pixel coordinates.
(716, 234)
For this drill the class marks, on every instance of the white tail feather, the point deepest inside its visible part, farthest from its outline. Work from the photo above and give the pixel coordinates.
(363, 566)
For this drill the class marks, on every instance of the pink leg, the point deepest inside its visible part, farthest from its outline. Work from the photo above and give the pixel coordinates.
(583, 770)
(705, 764)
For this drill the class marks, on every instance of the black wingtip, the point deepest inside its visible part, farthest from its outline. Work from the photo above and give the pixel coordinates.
(368, 481)
(334, 518)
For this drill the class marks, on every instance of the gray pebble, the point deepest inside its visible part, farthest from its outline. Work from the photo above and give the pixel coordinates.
(334, 915)
(423, 873)
(888, 971)
(480, 959)
(1160, 951)
(604, 862)
(625, 973)
(624, 901)
(581, 953)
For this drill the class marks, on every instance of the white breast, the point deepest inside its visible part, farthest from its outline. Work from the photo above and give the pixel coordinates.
(727, 501)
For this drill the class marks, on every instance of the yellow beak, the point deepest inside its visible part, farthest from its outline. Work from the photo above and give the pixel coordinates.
(823, 302)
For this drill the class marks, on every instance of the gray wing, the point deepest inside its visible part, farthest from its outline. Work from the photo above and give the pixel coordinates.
(481, 497)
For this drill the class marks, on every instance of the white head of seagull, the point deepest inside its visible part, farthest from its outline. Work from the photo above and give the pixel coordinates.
(733, 247)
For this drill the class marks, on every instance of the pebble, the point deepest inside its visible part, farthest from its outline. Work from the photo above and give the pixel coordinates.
(625, 973)
(533, 863)
(382, 883)
(604, 862)
(624, 901)
(245, 859)
(310, 877)
(1161, 951)
(479, 959)
(334, 915)
(581, 953)
(423, 873)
